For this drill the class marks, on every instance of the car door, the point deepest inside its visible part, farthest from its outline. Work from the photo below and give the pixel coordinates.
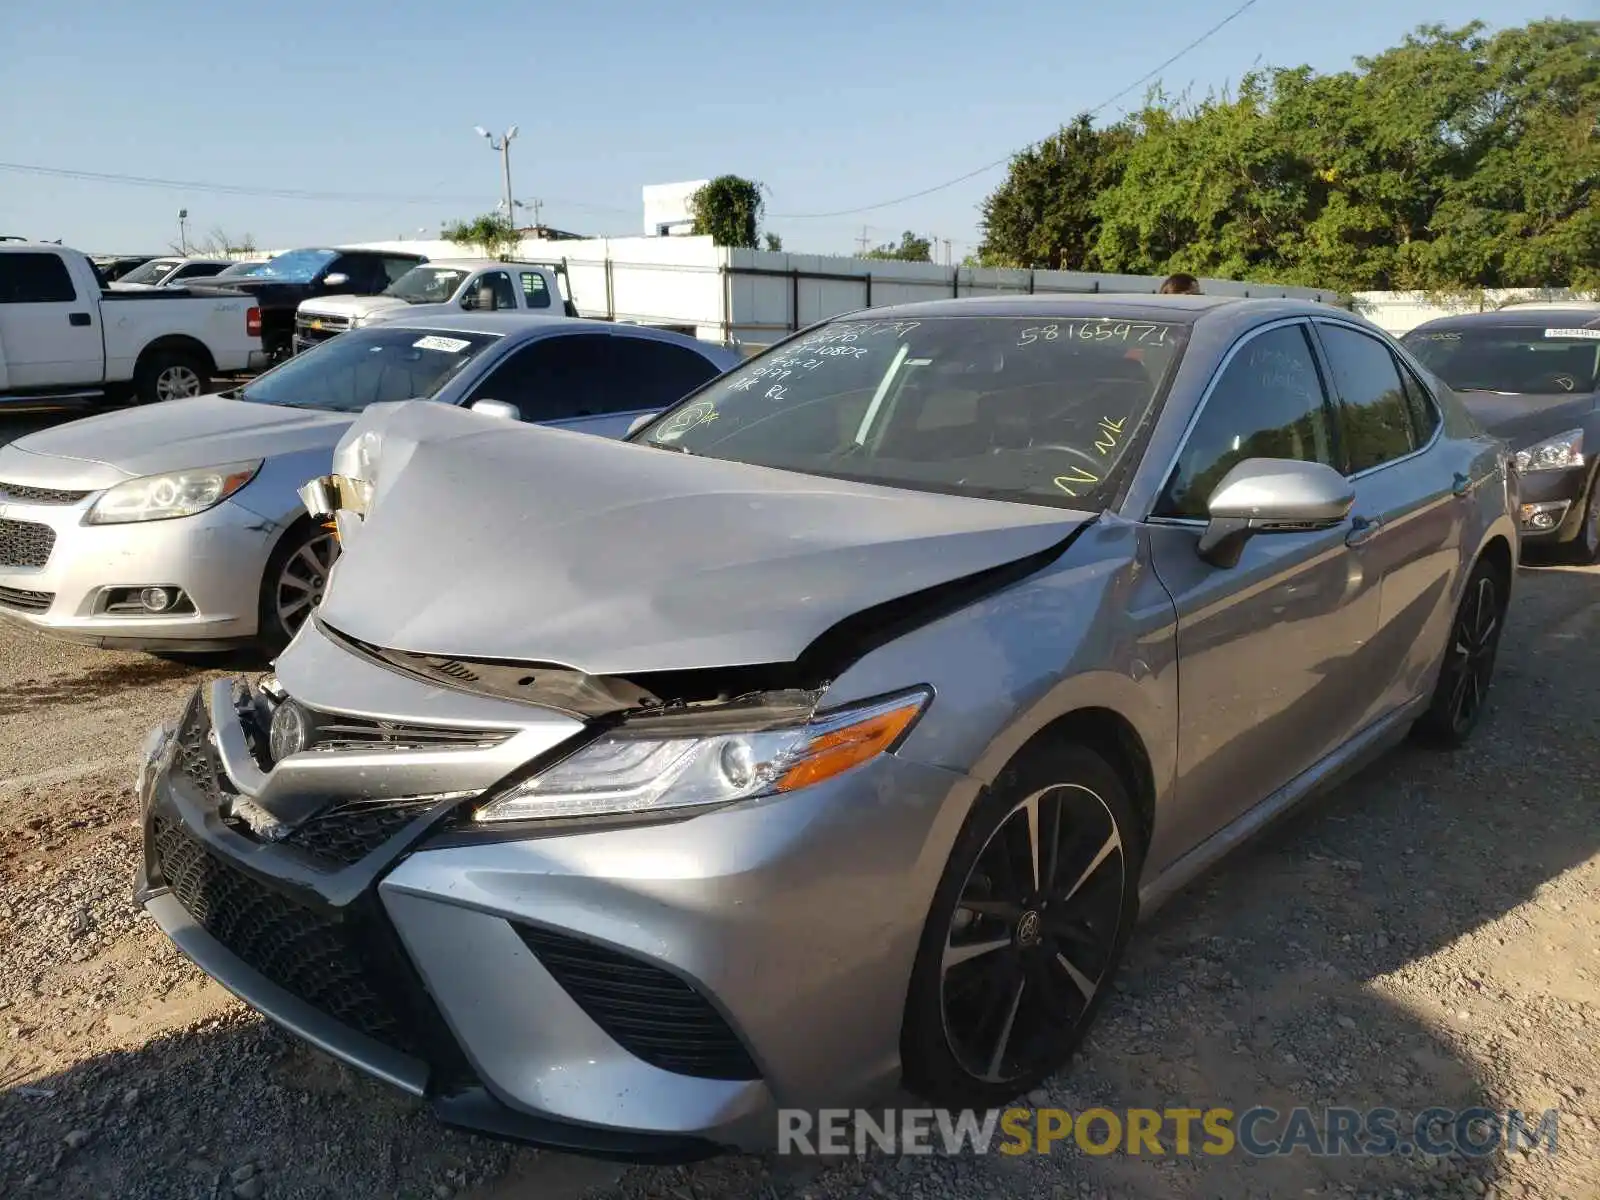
(551, 379)
(1408, 505)
(1271, 650)
(50, 335)
(647, 374)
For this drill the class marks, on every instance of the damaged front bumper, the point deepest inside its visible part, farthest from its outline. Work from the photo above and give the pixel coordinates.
(647, 991)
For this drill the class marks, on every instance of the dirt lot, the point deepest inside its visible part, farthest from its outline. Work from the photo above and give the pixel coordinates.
(1428, 935)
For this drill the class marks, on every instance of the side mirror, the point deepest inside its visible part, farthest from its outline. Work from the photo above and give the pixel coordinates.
(337, 279)
(497, 408)
(469, 301)
(639, 423)
(1271, 495)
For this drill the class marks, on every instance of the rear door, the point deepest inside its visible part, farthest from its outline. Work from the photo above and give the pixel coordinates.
(1409, 504)
(50, 334)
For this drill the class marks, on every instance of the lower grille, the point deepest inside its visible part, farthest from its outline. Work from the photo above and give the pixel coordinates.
(649, 1012)
(28, 494)
(23, 601)
(347, 833)
(25, 543)
(330, 960)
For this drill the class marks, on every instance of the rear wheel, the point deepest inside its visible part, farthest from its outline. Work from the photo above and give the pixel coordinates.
(1026, 930)
(170, 375)
(294, 581)
(1468, 667)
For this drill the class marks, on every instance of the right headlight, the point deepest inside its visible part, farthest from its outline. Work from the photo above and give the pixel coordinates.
(635, 770)
(1553, 454)
(172, 494)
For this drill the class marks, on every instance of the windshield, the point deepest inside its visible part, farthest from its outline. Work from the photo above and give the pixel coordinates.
(1534, 360)
(426, 285)
(295, 266)
(240, 268)
(368, 366)
(152, 271)
(1040, 410)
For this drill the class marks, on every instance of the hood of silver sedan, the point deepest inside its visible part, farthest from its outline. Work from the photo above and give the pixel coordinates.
(489, 540)
(200, 432)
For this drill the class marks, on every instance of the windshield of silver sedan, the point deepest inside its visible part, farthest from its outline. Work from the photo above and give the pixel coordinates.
(1041, 409)
(366, 366)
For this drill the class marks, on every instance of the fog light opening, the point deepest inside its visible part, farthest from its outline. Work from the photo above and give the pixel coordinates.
(157, 599)
(1542, 518)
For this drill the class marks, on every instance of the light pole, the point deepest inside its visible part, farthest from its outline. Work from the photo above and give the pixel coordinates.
(183, 232)
(503, 147)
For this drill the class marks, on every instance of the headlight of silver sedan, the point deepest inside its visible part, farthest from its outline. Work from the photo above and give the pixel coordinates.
(633, 770)
(172, 494)
(1553, 454)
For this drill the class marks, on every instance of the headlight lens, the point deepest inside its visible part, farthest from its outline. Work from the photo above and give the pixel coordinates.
(628, 771)
(1553, 454)
(175, 494)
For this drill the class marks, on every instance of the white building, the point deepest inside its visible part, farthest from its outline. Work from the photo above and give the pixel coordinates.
(666, 208)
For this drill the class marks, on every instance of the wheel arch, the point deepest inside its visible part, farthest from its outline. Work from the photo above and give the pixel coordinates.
(1110, 734)
(180, 342)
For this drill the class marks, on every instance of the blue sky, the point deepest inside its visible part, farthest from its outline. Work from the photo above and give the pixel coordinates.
(832, 105)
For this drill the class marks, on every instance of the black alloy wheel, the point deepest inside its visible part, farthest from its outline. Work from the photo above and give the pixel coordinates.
(1468, 667)
(1031, 920)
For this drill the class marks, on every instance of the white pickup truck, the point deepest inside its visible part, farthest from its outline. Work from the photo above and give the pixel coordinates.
(65, 338)
(439, 287)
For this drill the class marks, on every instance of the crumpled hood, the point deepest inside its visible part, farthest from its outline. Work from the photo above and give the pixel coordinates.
(491, 540)
(203, 431)
(1524, 420)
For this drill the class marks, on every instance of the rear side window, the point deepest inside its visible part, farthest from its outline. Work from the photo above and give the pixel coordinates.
(534, 292)
(35, 279)
(1374, 410)
(1420, 403)
(1268, 402)
(652, 374)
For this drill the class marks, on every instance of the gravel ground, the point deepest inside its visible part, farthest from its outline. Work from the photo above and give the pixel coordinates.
(1429, 934)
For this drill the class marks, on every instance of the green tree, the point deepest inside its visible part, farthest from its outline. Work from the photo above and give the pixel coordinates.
(1043, 215)
(729, 208)
(493, 233)
(774, 242)
(912, 248)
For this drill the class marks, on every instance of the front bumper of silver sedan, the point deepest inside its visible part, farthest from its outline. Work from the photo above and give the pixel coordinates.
(90, 583)
(644, 991)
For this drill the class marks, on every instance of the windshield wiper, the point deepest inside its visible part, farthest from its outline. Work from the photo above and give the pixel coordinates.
(675, 447)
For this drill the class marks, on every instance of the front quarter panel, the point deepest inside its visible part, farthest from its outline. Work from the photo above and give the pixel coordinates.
(1096, 630)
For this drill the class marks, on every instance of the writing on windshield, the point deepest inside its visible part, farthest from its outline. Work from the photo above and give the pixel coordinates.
(1026, 409)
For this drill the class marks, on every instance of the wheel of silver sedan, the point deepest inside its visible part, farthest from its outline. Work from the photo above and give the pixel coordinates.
(1034, 934)
(178, 381)
(300, 580)
(1469, 666)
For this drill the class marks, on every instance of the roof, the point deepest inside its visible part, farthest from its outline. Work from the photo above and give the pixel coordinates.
(1135, 306)
(1564, 315)
(500, 323)
(474, 264)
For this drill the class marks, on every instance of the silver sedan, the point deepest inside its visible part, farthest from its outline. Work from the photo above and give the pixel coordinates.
(177, 526)
(833, 730)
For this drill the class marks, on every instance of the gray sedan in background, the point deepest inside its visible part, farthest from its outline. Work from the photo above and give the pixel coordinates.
(177, 526)
(832, 730)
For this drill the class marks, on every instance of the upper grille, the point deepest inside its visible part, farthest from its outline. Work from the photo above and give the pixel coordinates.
(39, 495)
(649, 1012)
(330, 960)
(348, 832)
(25, 601)
(25, 543)
(341, 732)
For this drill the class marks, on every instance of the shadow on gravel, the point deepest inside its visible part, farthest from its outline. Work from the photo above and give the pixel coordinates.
(1290, 977)
(96, 683)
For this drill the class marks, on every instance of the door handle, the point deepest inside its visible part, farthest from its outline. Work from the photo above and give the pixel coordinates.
(79, 319)
(1460, 484)
(1363, 530)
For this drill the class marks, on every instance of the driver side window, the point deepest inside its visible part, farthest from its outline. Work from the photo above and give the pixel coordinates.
(1268, 402)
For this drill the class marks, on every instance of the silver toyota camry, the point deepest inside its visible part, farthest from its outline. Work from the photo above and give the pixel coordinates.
(832, 731)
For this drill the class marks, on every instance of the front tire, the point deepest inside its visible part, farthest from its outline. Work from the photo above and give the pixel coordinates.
(293, 583)
(170, 375)
(1468, 667)
(1025, 932)
(1584, 548)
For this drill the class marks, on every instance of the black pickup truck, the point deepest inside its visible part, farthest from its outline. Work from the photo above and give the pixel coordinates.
(281, 283)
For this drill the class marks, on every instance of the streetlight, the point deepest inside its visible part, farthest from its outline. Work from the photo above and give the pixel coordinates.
(503, 148)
